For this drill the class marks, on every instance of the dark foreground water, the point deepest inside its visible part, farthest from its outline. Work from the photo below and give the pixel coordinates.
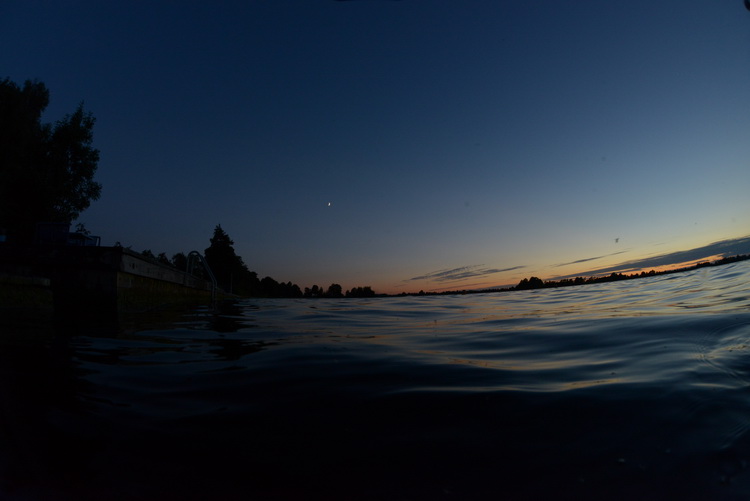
(628, 390)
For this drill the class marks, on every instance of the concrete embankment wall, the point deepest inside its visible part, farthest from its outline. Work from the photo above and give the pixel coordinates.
(113, 278)
(138, 293)
(93, 281)
(143, 284)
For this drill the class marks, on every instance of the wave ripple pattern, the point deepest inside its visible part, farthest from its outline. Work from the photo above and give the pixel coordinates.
(625, 390)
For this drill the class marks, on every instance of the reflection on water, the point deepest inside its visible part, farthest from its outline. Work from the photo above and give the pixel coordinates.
(624, 390)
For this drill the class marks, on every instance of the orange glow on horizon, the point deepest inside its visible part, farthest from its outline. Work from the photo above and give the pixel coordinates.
(677, 266)
(507, 282)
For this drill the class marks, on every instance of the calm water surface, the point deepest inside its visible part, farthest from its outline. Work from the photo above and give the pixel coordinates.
(626, 390)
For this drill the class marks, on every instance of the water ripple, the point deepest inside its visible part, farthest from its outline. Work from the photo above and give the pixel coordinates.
(624, 390)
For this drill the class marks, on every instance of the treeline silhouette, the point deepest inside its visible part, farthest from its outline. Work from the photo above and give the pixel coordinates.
(335, 290)
(234, 277)
(538, 283)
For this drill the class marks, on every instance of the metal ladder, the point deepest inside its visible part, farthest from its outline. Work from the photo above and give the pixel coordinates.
(191, 258)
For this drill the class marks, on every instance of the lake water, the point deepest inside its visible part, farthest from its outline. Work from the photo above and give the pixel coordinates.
(627, 390)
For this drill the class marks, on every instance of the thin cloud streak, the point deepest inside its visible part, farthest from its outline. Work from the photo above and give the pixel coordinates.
(589, 259)
(461, 273)
(724, 248)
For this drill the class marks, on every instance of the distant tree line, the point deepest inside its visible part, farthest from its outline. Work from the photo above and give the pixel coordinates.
(335, 290)
(233, 276)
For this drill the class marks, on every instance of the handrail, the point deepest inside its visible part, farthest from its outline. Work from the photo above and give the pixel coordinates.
(191, 262)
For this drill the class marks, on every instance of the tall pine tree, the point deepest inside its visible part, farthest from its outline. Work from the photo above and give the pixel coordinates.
(230, 271)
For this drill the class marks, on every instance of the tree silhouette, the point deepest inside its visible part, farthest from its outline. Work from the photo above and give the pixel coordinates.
(46, 172)
(530, 283)
(228, 268)
(163, 259)
(360, 292)
(271, 288)
(334, 290)
(179, 261)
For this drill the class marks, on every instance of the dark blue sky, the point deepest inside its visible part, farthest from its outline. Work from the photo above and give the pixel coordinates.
(459, 144)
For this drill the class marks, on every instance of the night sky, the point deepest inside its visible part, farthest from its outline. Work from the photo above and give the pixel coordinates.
(405, 144)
